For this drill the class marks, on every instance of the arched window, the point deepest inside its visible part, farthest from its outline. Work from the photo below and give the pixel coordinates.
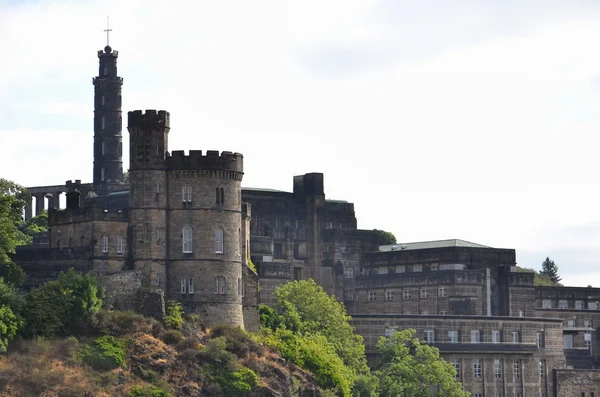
(219, 240)
(220, 287)
(105, 244)
(102, 174)
(187, 240)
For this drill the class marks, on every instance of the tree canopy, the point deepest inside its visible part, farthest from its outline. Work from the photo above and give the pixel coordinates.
(385, 238)
(550, 269)
(13, 198)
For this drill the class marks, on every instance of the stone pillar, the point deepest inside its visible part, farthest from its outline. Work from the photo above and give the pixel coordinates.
(39, 203)
(56, 200)
(50, 198)
(29, 209)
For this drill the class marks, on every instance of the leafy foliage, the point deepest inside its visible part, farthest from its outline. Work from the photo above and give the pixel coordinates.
(37, 224)
(64, 306)
(408, 368)
(385, 238)
(550, 269)
(104, 353)
(539, 279)
(9, 325)
(174, 315)
(172, 337)
(12, 202)
(148, 391)
(237, 383)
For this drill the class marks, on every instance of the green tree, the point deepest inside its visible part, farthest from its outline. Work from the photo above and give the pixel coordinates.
(9, 325)
(35, 225)
(408, 368)
(63, 306)
(550, 269)
(385, 238)
(13, 198)
(306, 308)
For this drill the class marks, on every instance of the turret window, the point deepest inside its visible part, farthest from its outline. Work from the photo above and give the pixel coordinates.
(191, 286)
(183, 285)
(119, 243)
(102, 100)
(186, 194)
(102, 174)
(219, 240)
(105, 244)
(102, 122)
(187, 240)
(220, 195)
(220, 287)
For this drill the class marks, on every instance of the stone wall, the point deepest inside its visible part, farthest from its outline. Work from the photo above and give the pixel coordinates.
(250, 300)
(576, 383)
(122, 290)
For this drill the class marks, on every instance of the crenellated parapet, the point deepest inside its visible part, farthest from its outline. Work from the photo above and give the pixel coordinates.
(86, 214)
(149, 120)
(211, 161)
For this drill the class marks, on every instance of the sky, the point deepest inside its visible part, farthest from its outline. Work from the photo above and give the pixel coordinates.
(439, 119)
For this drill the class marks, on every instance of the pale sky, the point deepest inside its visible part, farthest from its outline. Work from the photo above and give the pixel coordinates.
(473, 119)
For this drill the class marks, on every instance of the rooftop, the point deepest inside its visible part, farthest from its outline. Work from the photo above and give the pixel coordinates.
(431, 244)
(258, 189)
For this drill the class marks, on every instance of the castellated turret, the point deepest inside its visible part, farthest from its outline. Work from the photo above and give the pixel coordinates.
(186, 221)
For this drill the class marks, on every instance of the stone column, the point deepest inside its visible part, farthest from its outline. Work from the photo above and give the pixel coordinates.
(50, 198)
(29, 209)
(57, 200)
(39, 203)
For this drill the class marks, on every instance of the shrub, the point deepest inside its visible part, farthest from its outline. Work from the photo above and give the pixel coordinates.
(9, 325)
(215, 353)
(172, 337)
(104, 353)
(237, 383)
(238, 340)
(118, 323)
(174, 315)
(148, 391)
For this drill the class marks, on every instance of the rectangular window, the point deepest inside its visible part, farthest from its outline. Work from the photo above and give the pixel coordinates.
(219, 240)
(406, 294)
(102, 122)
(119, 244)
(372, 295)
(587, 340)
(515, 337)
(348, 272)
(344, 249)
(388, 332)
(495, 336)
(592, 305)
(220, 287)
(456, 365)
(517, 369)
(191, 286)
(105, 244)
(477, 369)
(452, 336)
(443, 312)
(567, 341)
(540, 339)
(475, 336)
(579, 305)
(277, 250)
(186, 194)
(424, 293)
(400, 269)
(382, 270)
(239, 286)
(102, 100)
(570, 323)
(547, 304)
(429, 336)
(498, 369)
(417, 268)
(349, 295)
(542, 370)
(187, 240)
(329, 225)
(442, 291)
(389, 295)
(562, 304)
(587, 323)
(434, 268)
(183, 285)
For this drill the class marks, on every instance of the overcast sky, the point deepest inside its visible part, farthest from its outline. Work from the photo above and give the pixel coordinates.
(439, 119)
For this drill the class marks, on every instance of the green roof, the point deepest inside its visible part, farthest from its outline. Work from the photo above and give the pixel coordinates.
(431, 244)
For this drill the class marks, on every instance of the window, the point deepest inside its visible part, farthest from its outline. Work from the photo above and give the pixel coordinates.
(547, 304)
(592, 305)
(102, 100)
(540, 339)
(475, 336)
(183, 285)
(191, 286)
(219, 240)
(348, 272)
(102, 148)
(587, 340)
(567, 341)
(102, 174)
(579, 305)
(372, 295)
(570, 323)
(239, 286)
(388, 332)
(277, 250)
(329, 225)
(105, 244)
(400, 269)
(344, 249)
(186, 194)
(452, 336)
(456, 365)
(542, 370)
(220, 287)
(417, 268)
(382, 270)
(587, 323)
(389, 295)
(495, 336)
(220, 195)
(349, 295)
(424, 292)
(187, 240)
(442, 291)
(562, 304)
(119, 244)
(443, 312)
(515, 337)
(517, 369)
(406, 294)
(102, 122)
(477, 369)
(498, 369)
(429, 336)
(434, 268)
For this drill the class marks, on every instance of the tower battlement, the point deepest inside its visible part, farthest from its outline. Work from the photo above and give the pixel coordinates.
(149, 120)
(212, 160)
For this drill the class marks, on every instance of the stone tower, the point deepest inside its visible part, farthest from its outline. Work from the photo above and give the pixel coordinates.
(108, 148)
(148, 143)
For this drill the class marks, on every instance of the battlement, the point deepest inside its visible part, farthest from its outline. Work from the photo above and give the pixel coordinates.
(151, 119)
(86, 214)
(212, 160)
(76, 184)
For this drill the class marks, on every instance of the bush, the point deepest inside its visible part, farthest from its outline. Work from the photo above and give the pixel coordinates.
(172, 337)
(148, 391)
(119, 323)
(174, 315)
(238, 341)
(104, 353)
(215, 353)
(237, 383)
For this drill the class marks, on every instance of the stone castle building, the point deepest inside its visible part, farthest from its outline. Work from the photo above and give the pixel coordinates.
(182, 227)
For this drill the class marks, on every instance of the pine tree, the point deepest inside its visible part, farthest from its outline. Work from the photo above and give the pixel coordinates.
(550, 269)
